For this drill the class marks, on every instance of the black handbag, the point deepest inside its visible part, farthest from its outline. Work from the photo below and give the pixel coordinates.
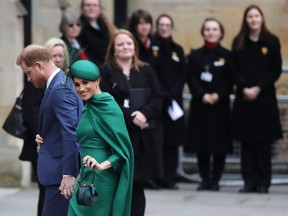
(14, 121)
(86, 195)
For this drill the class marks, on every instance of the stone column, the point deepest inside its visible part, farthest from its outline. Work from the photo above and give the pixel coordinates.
(11, 84)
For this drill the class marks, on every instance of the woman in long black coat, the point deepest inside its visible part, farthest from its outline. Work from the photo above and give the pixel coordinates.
(209, 77)
(140, 25)
(122, 76)
(256, 123)
(31, 101)
(96, 31)
(169, 65)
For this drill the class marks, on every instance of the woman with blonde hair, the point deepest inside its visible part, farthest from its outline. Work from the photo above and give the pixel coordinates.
(59, 53)
(135, 88)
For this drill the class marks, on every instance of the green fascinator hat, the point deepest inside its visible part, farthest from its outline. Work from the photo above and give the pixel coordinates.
(85, 69)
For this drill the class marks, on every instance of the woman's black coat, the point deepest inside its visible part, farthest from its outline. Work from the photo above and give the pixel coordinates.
(94, 41)
(258, 64)
(31, 101)
(170, 67)
(209, 125)
(147, 143)
(144, 54)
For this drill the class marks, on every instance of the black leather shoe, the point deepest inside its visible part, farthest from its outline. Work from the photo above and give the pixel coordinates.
(263, 190)
(152, 185)
(203, 186)
(215, 187)
(170, 186)
(247, 190)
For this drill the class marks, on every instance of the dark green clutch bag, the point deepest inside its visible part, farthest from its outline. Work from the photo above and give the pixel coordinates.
(86, 195)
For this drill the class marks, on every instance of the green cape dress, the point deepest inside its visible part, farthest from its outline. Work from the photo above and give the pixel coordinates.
(103, 135)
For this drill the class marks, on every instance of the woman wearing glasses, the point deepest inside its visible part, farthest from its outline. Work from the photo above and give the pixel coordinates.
(169, 65)
(70, 28)
(96, 31)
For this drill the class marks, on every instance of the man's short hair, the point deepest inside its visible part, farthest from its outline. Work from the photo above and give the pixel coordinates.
(33, 53)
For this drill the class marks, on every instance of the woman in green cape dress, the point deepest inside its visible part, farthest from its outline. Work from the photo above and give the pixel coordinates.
(105, 146)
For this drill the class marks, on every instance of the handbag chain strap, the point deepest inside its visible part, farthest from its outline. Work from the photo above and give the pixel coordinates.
(82, 175)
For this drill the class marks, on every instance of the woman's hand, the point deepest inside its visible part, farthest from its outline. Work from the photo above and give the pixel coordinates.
(92, 163)
(252, 93)
(139, 120)
(215, 98)
(39, 141)
(210, 98)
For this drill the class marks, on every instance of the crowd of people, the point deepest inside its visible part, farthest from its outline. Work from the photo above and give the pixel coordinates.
(111, 100)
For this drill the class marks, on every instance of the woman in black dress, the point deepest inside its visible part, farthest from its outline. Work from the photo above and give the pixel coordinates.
(209, 78)
(256, 123)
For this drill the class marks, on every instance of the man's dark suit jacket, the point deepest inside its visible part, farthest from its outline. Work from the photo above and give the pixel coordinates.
(59, 115)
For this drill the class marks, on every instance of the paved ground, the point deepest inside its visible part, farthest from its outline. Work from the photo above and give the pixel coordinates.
(184, 202)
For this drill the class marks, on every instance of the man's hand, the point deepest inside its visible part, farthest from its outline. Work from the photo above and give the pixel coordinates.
(67, 186)
(39, 141)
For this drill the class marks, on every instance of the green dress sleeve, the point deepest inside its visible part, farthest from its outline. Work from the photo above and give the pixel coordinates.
(115, 160)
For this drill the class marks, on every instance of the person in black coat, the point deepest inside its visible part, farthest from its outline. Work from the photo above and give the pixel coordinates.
(140, 25)
(96, 31)
(123, 74)
(31, 101)
(209, 77)
(169, 66)
(256, 122)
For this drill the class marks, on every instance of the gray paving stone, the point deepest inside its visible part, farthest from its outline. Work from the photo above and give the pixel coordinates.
(184, 202)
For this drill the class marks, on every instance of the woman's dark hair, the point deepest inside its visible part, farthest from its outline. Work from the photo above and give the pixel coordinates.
(135, 19)
(215, 20)
(244, 31)
(165, 15)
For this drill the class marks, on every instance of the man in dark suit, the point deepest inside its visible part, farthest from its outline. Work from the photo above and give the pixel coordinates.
(60, 110)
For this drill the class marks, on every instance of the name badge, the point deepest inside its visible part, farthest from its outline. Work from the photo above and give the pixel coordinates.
(126, 103)
(206, 76)
(218, 63)
(175, 56)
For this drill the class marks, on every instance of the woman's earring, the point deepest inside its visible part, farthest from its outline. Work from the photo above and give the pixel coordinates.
(114, 54)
